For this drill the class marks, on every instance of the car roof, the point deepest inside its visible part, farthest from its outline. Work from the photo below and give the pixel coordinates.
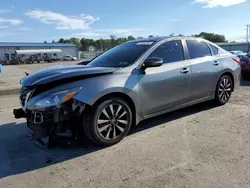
(157, 39)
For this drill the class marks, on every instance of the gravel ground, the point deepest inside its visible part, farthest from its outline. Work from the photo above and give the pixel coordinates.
(200, 146)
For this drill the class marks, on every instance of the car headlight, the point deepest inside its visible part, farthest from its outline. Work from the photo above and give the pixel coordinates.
(54, 99)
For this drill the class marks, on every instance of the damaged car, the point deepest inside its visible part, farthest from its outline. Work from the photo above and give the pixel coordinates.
(129, 83)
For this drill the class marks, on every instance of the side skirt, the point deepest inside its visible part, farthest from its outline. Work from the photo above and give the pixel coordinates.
(179, 107)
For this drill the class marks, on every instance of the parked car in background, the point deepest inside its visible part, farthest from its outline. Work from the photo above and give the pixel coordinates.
(236, 52)
(49, 58)
(69, 58)
(129, 83)
(38, 55)
(245, 66)
(33, 58)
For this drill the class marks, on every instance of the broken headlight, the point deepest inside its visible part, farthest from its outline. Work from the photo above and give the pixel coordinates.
(53, 99)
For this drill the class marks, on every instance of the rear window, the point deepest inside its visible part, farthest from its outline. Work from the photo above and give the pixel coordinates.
(215, 50)
(198, 49)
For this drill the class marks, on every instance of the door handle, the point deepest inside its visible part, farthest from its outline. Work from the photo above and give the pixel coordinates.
(185, 70)
(215, 63)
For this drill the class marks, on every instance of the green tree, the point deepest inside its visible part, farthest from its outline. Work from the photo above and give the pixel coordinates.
(131, 38)
(75, 41)
(150, 36)
(61, 40)
(212, 37)
(121, 40)
(100, 44)
(113, 40)
(45, 41)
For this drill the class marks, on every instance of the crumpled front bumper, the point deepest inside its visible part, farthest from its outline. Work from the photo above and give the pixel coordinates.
(52, 121)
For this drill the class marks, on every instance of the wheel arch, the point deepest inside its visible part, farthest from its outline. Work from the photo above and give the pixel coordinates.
(123, 96)
(230, 74)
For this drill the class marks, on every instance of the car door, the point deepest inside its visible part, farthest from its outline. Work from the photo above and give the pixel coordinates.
(203, 67)
(169, 85)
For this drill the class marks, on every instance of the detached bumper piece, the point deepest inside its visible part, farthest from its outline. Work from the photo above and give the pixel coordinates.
(52, 126)
(19, 113)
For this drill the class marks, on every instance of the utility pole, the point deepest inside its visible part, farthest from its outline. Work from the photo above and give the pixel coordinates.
(248, 36)
(248, 33)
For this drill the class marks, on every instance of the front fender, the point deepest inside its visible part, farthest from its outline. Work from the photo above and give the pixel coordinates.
(95, 88)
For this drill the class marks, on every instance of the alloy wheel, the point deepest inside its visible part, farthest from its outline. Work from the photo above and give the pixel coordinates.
(225, 89)
(112, 121)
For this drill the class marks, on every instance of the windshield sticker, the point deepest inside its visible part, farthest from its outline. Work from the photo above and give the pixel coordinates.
(144, 43)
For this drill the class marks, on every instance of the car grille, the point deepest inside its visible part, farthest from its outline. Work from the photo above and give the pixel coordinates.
(23, 93)
(48, 116)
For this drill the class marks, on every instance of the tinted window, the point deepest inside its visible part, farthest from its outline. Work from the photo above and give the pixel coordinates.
(122, 55)
(198, 49)
(171, 51)
(215, 50)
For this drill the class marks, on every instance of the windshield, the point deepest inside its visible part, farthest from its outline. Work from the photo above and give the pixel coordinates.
(122, 55)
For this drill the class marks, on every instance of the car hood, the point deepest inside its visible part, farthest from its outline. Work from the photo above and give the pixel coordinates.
(56, 73)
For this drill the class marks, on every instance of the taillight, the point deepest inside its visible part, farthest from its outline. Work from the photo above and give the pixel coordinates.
(236, 59)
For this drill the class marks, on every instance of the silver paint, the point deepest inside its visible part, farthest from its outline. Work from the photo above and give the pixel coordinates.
(161, 89)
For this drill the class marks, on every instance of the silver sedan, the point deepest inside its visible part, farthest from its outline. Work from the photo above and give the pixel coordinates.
(131, 82)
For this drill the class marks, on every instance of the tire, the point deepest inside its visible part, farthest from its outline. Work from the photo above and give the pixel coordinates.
(223, 90)
(109, 123)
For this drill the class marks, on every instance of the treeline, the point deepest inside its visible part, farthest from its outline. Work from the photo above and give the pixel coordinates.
(100, 44)
(212, 37)
(105, 44)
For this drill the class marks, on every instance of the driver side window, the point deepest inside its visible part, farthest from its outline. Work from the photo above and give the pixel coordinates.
(171, 51)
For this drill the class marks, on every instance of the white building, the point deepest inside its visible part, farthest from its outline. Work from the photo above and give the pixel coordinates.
(8, 49)
(91, 48)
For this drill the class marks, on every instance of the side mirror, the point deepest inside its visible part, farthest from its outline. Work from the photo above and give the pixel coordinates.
(152, 62)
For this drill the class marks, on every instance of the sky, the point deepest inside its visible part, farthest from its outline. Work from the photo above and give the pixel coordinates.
(40, 20)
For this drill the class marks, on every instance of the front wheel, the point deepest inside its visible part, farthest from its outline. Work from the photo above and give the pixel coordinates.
(110, 122)
(224, 90)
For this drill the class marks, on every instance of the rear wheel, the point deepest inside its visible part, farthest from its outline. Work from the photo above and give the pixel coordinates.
(110, 122)
(224, 90)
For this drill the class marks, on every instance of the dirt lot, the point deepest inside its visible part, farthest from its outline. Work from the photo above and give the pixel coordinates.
(200, 146)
